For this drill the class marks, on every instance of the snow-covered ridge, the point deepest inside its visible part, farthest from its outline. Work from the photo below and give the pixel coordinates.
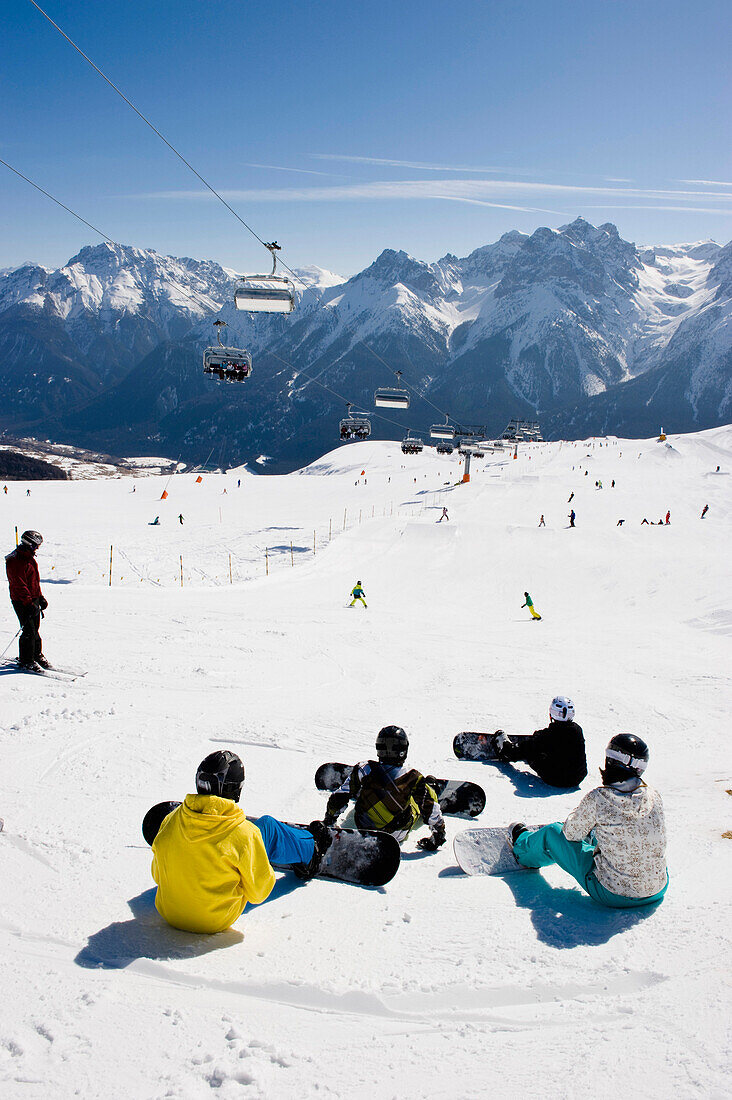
(558, 325)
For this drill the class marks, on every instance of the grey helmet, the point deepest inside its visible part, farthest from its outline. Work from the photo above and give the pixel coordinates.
(32, 539)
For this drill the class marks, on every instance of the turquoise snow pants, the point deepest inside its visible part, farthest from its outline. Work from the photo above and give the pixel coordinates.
(549, 845)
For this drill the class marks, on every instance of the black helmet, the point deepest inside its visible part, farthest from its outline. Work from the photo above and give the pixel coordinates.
(222, 774)
(392, 745)
(32, 539)
(626, 757)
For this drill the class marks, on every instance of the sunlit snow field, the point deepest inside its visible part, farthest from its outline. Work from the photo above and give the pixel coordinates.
(438, 984)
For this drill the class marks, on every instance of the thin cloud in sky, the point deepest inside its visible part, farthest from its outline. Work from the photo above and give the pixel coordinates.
(501, 205)
(676, 209)
(281, 168)
(387, 191)
(408, 164)
(708, 183)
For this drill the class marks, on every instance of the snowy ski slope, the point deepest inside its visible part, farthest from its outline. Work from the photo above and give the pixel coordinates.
(438, 984)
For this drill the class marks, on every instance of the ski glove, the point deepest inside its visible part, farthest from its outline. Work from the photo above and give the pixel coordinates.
(433, 842)
(43, 603)
(500, 739)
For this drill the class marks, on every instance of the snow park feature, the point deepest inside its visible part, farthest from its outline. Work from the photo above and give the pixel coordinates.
(518, 985)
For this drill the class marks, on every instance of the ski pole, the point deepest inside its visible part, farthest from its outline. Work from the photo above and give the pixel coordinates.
(7, 647)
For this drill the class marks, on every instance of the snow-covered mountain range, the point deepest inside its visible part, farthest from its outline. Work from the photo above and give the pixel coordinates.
(576, 327)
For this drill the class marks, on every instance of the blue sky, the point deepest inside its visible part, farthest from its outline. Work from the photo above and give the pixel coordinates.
(342, 128)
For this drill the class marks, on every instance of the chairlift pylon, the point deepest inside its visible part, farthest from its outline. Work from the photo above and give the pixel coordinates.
(266, 293)
(227, 364)
(387, 397)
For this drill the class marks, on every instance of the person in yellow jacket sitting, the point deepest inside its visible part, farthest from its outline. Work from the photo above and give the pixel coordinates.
(209, 860)
(358, 594)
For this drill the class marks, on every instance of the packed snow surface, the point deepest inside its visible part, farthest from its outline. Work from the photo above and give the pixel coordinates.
(438, 984)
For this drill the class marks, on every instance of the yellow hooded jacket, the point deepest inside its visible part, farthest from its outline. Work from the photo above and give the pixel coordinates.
(208, 862)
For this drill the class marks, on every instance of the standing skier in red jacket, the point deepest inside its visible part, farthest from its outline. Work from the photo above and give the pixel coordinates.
(27, 599)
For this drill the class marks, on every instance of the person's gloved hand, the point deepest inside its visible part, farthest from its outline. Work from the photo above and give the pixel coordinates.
(42, 603)
(433, 842)
(499, 740)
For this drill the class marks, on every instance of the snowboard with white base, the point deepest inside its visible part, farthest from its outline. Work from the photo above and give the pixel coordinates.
(487, 852)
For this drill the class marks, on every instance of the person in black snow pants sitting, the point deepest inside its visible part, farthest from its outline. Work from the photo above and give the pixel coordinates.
(556, 753)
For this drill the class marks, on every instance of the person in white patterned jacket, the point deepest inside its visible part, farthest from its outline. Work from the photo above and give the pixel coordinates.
(614, 842)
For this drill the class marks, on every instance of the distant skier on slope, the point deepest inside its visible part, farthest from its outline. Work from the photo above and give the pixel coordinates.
(444, 516)
(389, 796)
(572, 517)
(556, 753)
(528, 602)
(209, 860)
(358, 594)
(28, 601)
(705, 509)
(542, 521)
(614, 842)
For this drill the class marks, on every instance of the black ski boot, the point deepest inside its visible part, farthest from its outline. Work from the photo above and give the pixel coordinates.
(323, 839)
(515, 830)
(41, 660)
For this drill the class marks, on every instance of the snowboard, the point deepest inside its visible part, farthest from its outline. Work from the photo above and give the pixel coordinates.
(486, 852)
(363, 858)
(454, 795)
(474, 746)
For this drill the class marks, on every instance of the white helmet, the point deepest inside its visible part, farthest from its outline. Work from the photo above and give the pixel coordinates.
(561, 709)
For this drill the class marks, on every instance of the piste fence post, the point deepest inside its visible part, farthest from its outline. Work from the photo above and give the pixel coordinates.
(110, 565)
(313, 543)
(231, 579)
(16, 536)
(345, 510)
(266, 561)
(330, 529)
(181, 570)
(292, 557)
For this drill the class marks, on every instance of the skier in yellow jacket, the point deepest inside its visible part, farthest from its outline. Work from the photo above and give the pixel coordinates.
(358, 594)
(209, 860)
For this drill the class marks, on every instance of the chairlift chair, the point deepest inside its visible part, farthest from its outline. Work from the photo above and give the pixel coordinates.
(227, 364)
(266, 293)
(412, 445)
(442, 431)
(355, 426)
(444, 448)
(392, 398)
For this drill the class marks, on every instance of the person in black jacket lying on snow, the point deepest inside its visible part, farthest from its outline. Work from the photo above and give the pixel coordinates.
(556, 753)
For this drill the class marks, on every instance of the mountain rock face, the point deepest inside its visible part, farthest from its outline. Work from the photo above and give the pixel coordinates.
(576, 327)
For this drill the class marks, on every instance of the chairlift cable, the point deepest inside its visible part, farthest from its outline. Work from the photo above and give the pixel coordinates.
(329, 389)
(57, 201)
(162, 137)
(206, 184)
(400, 375)
(187, 294)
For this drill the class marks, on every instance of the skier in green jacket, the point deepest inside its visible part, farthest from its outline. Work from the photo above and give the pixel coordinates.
(530, 604)
(358, 594)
